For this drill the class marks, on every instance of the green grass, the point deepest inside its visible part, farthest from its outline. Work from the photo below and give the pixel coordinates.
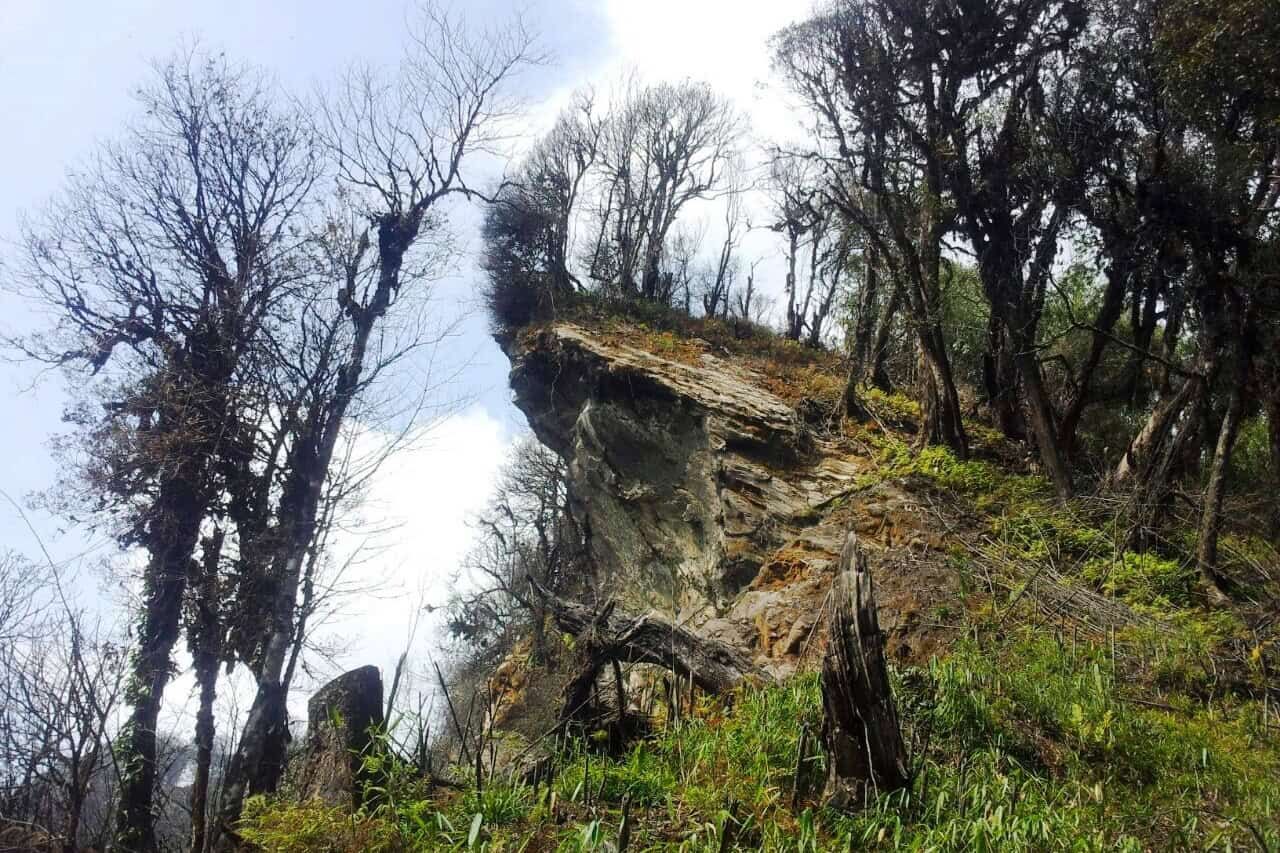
(1143, 579)
(1019, 744)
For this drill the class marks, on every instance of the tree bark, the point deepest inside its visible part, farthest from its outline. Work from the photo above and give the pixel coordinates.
(1143, 320)
(1150, 498)
(793, 249)
(939, 401)
(205, 634)
(1000, 381)
(177, 526)
(1273, 435)
(1147, 442)
(1043, 423)
(713, 666)
(865, 752)
(865, 322)
(1215, 491)
(878, 372)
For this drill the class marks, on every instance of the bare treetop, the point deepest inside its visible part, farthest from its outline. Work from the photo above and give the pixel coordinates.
(180, 223)
(402, 141)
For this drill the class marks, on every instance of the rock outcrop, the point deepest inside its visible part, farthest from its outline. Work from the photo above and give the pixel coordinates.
(707, 497)
(340, 717)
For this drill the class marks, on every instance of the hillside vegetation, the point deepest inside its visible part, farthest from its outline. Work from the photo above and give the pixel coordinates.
(1089, 697)
(995, 322)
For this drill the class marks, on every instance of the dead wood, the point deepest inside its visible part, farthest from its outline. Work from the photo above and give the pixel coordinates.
(865, 752)
(606, 635)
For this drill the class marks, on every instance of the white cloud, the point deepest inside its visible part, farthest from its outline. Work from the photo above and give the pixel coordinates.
(414, 531)
(721, 42)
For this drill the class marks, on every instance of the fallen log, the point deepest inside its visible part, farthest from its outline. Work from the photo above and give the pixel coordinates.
(860, 731)
(607, 635)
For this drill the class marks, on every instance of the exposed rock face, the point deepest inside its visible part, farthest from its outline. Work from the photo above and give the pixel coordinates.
(704, 495)
(339, 718)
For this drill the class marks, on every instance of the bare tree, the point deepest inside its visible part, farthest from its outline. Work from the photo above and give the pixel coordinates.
(830, 250)
(662, 147)
(748, 304)
(793, 190)
(161, 265)
(527, 531)
(718, 286)
(683, 272)
(400, 150)
(62, 677)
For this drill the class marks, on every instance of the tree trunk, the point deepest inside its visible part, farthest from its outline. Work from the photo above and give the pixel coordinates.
(1000, 381)
(1273, 434)
(865, 752)
(252, 769)
(865, 322)
(207, 678)
(940, 404)
(1215, 492)
(205, 638)
(939, 401)
(177, 525)
(1149, 439)
(793, 249)
(878, 373)
(1150, 498)
(713, 666)
(1043, 423)
(1143, 320)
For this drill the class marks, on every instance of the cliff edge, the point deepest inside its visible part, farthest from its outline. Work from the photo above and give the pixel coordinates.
(706, 495)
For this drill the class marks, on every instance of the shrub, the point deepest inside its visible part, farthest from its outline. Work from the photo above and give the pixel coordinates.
(1142, 578)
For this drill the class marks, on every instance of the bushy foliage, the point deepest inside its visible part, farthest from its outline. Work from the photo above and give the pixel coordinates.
(1142, 578)
(519, 284)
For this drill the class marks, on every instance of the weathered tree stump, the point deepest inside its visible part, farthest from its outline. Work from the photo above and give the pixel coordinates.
(340, 717)
(865, 752)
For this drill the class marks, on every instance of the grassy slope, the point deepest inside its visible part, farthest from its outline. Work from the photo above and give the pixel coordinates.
(1032, 733)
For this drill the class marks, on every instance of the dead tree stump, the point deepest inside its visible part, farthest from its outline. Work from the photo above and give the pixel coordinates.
(865, 752)
(340, 717)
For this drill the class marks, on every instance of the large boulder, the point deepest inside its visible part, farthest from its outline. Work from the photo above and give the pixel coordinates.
(709, 499)
(340, 718)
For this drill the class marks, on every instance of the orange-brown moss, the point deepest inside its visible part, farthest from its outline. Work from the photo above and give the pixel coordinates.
(782, 570)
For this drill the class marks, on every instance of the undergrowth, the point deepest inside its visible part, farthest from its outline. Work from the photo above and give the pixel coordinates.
(1020, 743)
(1027, 531)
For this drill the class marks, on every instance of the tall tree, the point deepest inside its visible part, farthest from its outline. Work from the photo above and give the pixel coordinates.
(400, 151)
(877, 98)
(1218, 64)
(999, 65)
(160, 268)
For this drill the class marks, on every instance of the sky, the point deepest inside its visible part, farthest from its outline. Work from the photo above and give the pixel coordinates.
(67, 71)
